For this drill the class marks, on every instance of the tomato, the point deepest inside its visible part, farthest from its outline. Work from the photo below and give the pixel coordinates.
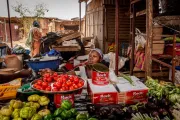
(39, 82)
(55, 78)
(55, 74)
(44, 79)
(49, 79)
(82, 82)
(66, 88)
(71, 88)
(80, 85)
(58, 85)
(66, 76)
(63, 89)
(64, 79)
(64, 85)
(71, 78)
(44, 84)
(55, 89)
(76, 80)
(69, 83)
(47, 75)
(59, 80)
(48, 88)
(75, 86)
(55, 84)
(39, 87)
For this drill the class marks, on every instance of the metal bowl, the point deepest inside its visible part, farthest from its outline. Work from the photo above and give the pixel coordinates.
(56, 92)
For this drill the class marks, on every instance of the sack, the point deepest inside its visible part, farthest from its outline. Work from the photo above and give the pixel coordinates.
(12, 61)
(139, 40)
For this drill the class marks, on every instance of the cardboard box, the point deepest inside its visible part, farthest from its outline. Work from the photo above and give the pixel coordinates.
(106, 94)
(131, 94)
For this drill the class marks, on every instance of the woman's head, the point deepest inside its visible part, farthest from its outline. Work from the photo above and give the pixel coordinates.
(36, 24)
(95, 56)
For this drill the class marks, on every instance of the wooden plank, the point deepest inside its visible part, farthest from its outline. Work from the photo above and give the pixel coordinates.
(69, 37)
(149, 37)
(163, 63)
(134, 1)
(140, 13)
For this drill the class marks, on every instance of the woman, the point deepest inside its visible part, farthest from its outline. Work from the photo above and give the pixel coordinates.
(33, 41)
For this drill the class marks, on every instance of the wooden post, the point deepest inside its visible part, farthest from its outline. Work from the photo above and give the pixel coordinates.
(80, 16)
(9, 20)
(85, 18)
(117, 35)
(149, 32)
(132, 40)
(174, 60)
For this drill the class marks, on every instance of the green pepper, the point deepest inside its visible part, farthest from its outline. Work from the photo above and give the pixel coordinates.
(64, 114)
(82, 116)
(43, 101)
(68, 114)
(66, 104)
(74, 111)
(16, 113)
(36, 117)
(17, 119)
(48, 117)
(27, 112)
(58, 112)
(58, 118)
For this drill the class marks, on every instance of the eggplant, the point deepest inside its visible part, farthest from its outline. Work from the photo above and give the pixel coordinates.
(164, 102)
(52, 106)
(163, 111)
(104, 112)
(130, 110)
(155, 100)
(150, 98)
(91, 109)
(151, 105)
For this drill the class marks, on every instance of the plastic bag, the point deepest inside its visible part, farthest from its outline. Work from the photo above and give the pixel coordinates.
(112, 76)
(139, 40)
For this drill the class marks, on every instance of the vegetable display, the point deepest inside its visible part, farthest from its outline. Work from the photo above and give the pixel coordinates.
(55, 83)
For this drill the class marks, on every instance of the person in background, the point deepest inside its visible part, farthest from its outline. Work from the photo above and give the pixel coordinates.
(33, 41)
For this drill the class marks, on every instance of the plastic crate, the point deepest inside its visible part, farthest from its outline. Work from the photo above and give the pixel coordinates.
(9, 90)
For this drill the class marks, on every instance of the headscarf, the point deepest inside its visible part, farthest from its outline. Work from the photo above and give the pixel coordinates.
(36, 24)
(98, 51)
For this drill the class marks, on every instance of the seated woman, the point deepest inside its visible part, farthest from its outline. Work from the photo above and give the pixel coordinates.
(95, 56)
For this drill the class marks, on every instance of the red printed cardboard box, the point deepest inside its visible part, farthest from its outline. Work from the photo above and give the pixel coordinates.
(106, 94)
(130, 94)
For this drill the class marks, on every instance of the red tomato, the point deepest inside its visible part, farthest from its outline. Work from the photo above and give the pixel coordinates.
(44, 79)
(63, 89)
(47, 75)
(54, 84)
(66, 76)
(69, 83)
(71, 78)
(82, 82)
(48, 88)
(39, 87)
(80, 85)
(66, 88)
(39, 82)
(58, 85)
(75, 86)
(44, 84)
(76, 80)
(64, 80)
(60, 80)
(55, 74)
(64, 85)
(55, 78)
(55, 89)
(49, 79)
(71, 88)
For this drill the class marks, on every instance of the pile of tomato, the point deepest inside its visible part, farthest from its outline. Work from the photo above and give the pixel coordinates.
(54, 82)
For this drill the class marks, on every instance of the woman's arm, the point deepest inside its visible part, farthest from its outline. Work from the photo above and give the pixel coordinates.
(9, 77)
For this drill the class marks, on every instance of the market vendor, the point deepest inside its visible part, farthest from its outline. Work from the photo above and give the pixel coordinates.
(95, 56)
(4, 78)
